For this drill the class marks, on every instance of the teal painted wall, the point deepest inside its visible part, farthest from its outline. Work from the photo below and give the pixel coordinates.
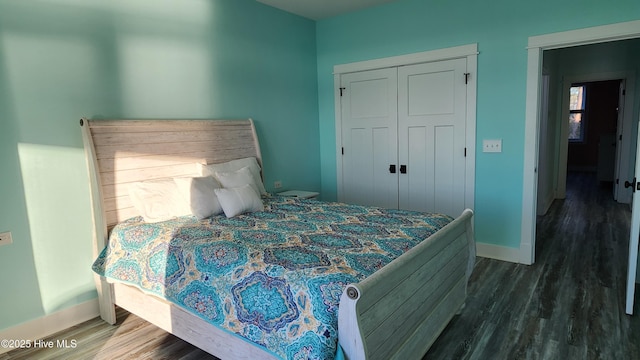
(64, 59)
(501, 29)
(61, 60)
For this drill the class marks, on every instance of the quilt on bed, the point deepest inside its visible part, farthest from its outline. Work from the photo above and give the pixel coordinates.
(273, 277)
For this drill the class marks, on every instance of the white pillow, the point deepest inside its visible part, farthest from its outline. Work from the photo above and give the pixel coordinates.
(233, 165)
(199, 193)
(237, 178)
(158, 200)
(239, 200)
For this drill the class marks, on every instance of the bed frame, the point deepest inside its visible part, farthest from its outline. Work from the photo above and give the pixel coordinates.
(397, 312)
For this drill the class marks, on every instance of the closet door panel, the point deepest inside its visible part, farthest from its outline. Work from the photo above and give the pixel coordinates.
(430, 93)
(360, 144)
(421, 188)
(418, 178)
(432, 99)
(444, 184)
(369, 137)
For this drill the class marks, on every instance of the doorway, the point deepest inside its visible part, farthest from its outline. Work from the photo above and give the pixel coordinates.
(609, 36)
(589, 138)
(593, 120)
(610, 87)
(606, 36)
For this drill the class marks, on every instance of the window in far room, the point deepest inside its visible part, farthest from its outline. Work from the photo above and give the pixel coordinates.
(577, 95)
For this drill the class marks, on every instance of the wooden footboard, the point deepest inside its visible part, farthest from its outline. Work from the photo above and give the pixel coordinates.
(399, 311)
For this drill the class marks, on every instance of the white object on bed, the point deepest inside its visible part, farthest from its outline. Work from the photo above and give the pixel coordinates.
(158, 200)
(235, 165)
(199, 193)
(237, 178)
(239, 200)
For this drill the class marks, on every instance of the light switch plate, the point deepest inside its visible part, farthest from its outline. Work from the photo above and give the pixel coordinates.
(5, 238)
(492, 145)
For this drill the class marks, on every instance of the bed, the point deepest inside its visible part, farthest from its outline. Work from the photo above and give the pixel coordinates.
(390, 302)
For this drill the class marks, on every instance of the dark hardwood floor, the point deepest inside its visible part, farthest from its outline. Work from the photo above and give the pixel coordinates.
(131, 338)
(569, 305)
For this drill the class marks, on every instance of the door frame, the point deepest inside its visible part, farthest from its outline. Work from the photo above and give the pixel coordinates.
(536, 46)
(470, 52)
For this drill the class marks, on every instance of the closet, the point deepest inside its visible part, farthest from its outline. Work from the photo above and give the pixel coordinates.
(403, 136)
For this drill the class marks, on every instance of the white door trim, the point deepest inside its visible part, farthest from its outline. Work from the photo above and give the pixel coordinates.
(408, 59)
(469, 51)
(593, 35)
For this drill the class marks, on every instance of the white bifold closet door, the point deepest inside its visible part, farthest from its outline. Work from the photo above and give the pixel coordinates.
(370, 137)
(403, 132)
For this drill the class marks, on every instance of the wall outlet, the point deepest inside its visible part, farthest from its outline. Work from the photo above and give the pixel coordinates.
(5, 238)
(277, 184)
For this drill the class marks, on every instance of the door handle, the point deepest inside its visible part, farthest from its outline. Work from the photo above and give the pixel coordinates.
(392, 169)
(403, 169)
(631, 185)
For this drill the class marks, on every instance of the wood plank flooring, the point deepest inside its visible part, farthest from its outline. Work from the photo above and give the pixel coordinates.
(569, 305)
(131, 338)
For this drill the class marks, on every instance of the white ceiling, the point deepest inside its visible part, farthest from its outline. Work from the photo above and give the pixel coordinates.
(320, 9)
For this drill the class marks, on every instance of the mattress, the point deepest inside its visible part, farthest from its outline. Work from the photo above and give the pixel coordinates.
(272, 277)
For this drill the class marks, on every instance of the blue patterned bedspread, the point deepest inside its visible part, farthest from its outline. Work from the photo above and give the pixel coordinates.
(273, 277)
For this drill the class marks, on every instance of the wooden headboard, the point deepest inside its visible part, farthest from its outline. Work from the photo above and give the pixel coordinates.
(120, 152)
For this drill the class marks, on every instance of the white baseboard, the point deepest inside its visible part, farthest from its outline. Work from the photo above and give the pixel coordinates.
(498, 252)
(546, 204)
(44, 326)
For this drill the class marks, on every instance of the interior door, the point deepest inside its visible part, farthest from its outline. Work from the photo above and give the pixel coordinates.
(431, 130)
(369, 137)
(633, 237)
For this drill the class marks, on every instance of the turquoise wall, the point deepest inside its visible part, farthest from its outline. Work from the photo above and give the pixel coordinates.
(501, 29)
(64, 59)
(61, 60)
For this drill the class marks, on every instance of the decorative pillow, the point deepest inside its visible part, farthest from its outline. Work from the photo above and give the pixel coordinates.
(233, 165)
(237, 178)
(199, 193)
(239, 200)
(158, 200)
